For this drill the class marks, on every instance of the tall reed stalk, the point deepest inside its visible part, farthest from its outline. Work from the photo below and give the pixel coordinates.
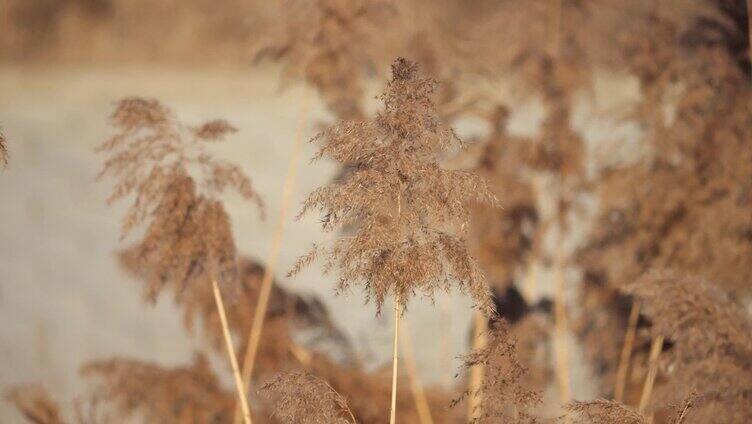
(395, 360)
(622, 372)
(418, 244)
(259, 315)
(231, 353)
(749, 29)
(560, 327)
(647, 389)
(475, 397)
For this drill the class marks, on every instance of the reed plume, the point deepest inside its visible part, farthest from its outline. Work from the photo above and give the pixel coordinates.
(184, 394)
(301, 397)
(406, 213)
(188, 240)
(329, 44)
(710, 345)
(602, 411)
(504, 393)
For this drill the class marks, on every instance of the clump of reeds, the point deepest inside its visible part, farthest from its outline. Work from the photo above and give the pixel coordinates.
(710, 344)
(505, 395)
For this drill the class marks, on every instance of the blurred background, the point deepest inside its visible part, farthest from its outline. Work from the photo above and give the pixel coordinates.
(583, 84)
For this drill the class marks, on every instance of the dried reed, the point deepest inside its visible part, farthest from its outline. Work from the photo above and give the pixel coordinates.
(749, 29)
(395, 360)
(231, 353)
(475, 384)
(505, 397)
(305, 398)
(328, 44)
(602, 411)
(406, 212)
(188, 240)
(158, 394)
(647, 389)
(622, 372)
(561, 329)
(710, 347)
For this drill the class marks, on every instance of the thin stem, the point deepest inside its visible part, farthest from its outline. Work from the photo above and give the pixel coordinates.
(474, 404)
(231, 353)
(647, 389)
(419, 395)
(346, 406)
(749, 31)
(259, 315)
(301, 354)
(393, 413)
(622, 372)
(560, 327)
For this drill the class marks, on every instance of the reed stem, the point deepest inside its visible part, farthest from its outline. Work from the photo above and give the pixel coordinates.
(622, 372)
(560, 327)
(231, 353)
(749, 31)
(647, 389)
(475, 399)
(393, 412)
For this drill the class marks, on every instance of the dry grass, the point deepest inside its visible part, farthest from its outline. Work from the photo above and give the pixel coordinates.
(405, 221)
(304, 398)
(154, 393)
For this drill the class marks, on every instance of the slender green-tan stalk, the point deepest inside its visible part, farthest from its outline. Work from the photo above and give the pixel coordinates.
(749, 31)
(647, 389)
(560, 328)
(395, 357)
(231, 353)
(475, 397)
(622, 372)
